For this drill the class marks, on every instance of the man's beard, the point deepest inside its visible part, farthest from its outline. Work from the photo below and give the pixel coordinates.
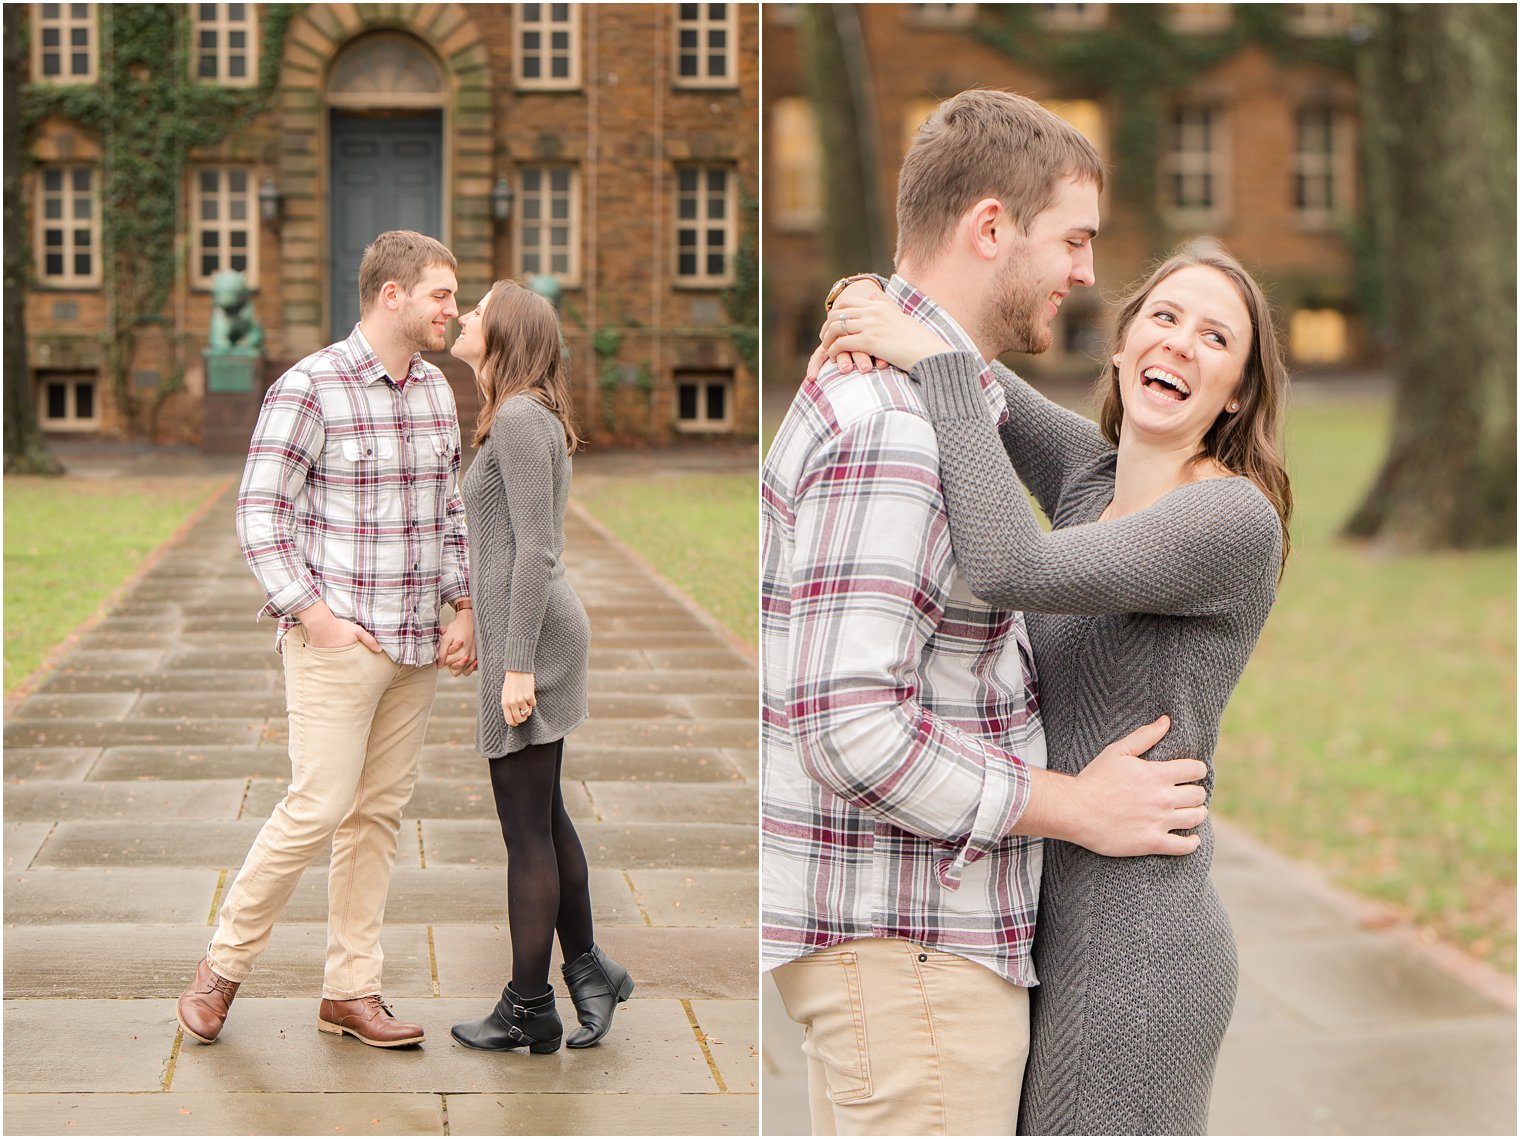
(1015, 313)
(416, 330)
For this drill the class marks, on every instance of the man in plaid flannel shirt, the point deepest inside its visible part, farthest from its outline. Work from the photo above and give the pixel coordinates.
(902, 751)
(350, 518)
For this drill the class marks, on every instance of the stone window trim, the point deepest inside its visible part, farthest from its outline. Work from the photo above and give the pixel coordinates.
(942, 15)
(224, 44)
(546, 47)
(706, 46)
(65, 44)
(704, 401)
(67, 226)
(67, 401)
(1195, 183)
(1323, 166)
(224, 224)
(1318, 19)
(1073, 17)
(706, 203)
(548, 201)
(1199, 19)
(795, 155)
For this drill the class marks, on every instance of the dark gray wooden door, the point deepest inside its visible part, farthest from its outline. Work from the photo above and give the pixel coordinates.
(387, 173)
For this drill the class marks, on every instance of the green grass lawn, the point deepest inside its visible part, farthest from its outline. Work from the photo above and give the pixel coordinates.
(700, 531)
(69, 542)
(1373, 734)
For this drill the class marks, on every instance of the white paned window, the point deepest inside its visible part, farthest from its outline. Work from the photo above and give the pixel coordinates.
(68, 226)
(1193, 180)
(547, 225)
(546, 47)
(63, 43)
(1198, 17)
(704, 402)
(1319, 19)
(1073, 17)
(796, 165)
(942, 15)
(66, 401)
(1321, 165)
(225, 45)
(705, 49)
(704, 224)
(224, 224)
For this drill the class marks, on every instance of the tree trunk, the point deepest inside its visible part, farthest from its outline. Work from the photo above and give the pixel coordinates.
(839, 85)
(1438, 106)
(26, 451)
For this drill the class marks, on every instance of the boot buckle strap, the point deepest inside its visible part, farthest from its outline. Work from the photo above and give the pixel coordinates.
(515, 1034)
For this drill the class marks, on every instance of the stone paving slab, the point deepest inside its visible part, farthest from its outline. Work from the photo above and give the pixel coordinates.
(476, 959)
(677, 766)
(89, 895)
(433, 799)
(163, 799)
(94, 733)
(732, 1030)
(276, 1045)
(89, 961)
(49, 763)
(647, 1113)
(693, 682)
(1355, 978)
(23, 841)
(210, 705)
(193, 762)
(735, 803)
(226, 1113)
(457, 894)
(126, 1050)
(1452, 1078)
(104, 706)
(625, 845)
(698, 898)
(175, 844)
(222, 680)
(641, 733)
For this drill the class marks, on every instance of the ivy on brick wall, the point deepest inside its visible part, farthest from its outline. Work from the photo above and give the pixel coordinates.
(148, 114)
(1138, 64)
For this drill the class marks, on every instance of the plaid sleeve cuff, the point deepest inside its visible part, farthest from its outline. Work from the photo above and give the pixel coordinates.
(292, 599)
(1004, 797)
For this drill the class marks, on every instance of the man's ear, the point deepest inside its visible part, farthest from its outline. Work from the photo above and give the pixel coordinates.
(989, 224)
(390, 295)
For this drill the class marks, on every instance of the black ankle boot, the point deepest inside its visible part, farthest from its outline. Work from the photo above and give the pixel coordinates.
(515, 1022)
(597, 985)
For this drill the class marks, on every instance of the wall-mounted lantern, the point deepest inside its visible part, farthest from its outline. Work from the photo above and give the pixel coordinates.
(269, 199)
(502, 196)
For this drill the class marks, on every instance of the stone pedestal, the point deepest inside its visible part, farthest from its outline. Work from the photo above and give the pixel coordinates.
(234, 388)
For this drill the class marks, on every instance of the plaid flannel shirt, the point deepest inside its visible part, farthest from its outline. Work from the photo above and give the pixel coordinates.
(899, 712)
(350, 496)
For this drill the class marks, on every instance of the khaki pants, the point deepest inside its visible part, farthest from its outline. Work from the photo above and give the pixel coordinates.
(901, 1039)
(357, 721)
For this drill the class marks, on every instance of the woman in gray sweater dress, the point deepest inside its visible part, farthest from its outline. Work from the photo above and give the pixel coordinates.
(1146, 598)
(533, 640)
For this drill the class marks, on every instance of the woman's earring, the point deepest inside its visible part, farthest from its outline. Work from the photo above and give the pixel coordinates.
(1118, 357)
(1233, 406)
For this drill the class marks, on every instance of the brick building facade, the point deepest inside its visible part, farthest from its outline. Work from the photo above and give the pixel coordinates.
(1256, 148)
(612, 148)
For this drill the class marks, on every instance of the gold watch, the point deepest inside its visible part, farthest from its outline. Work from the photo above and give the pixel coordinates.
(844, 283)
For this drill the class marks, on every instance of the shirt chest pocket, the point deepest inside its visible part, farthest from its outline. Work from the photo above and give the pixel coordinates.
(367, 449)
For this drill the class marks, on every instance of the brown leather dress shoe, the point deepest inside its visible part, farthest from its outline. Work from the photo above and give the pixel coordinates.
(368, 1018)
(202, 1007)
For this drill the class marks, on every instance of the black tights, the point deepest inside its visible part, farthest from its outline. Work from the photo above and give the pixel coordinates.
(548, 887)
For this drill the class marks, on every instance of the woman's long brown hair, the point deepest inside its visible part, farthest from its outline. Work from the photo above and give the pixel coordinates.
(1249, 441)
(524, 354)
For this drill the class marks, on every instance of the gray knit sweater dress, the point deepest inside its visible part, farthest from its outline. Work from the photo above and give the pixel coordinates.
(527, 617)
(1156, 612)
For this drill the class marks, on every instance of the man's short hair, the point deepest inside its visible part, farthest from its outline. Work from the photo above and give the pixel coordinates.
(400, 255)
(985, 144)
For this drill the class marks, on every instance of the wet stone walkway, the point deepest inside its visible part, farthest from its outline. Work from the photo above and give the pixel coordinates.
(139, 771)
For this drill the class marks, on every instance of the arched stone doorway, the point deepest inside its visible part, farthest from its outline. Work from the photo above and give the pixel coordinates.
(439, 42)
(386, 100)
